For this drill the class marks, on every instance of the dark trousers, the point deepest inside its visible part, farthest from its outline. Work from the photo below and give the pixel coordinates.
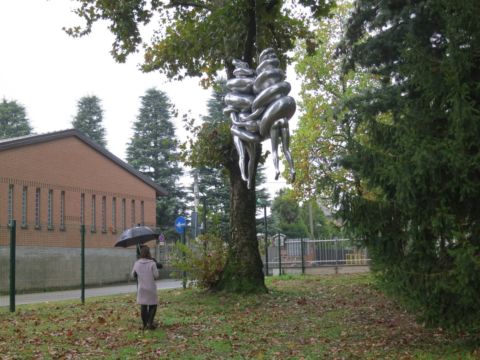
(147, 313)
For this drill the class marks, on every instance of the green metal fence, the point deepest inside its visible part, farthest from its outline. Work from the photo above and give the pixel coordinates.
(311, 256)
(71, 258)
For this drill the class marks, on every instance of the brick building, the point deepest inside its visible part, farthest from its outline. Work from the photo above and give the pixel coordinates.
(52, 183)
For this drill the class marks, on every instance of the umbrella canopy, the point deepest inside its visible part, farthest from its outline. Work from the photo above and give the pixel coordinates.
(136, 236)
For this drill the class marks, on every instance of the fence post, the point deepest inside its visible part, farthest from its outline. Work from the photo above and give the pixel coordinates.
(279, 256)
(13, 241)
(184, 273)
(303, 257)
(266, 241)
(336, 255)
(82, 263)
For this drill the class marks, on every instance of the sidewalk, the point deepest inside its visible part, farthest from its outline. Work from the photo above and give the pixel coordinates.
(76, 294)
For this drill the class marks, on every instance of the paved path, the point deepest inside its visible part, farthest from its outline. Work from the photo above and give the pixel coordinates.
(75, 294)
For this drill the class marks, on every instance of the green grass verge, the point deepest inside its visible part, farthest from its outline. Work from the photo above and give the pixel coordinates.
(302, 317)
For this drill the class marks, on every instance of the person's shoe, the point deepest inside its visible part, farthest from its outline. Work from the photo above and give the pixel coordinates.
(152, 326)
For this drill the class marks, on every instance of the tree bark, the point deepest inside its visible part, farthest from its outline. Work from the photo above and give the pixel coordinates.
(243, 272)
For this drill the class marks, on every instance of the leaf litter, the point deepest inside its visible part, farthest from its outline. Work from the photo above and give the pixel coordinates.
(322, 317)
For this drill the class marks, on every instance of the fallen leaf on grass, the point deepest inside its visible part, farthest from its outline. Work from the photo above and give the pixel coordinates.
(302, 301)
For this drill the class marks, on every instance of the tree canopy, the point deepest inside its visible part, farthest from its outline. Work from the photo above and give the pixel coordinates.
(199, 38)
(153, 150)
(13, 120)
(89, 119)
(301, 219)
(418, 155)
(326, 129)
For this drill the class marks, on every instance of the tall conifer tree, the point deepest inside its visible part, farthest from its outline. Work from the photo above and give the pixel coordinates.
(13, 120)
(212, 181)
(153, 150)
(89, 119)
(419, 159)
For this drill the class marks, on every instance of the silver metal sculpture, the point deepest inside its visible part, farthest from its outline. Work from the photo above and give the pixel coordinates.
(260, 108)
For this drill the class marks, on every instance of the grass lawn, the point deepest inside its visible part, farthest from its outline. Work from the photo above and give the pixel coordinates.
(311, 317)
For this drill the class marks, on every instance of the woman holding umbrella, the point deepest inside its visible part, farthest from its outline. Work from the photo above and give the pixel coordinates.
(145, 270)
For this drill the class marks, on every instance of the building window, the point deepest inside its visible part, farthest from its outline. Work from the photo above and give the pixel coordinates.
(114, 215)
(10, 203)
(62, 210)
(133, 212)
(82, 209)
(142, 212)
(50, 210)
(104, 214)
(24, 206)
(124, 214)
(37, 208)
(93, 226)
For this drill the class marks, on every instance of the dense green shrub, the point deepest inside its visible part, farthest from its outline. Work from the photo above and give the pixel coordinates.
(202, 259)
(416, 157)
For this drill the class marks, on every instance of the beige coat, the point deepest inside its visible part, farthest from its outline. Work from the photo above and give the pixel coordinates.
(146, 270)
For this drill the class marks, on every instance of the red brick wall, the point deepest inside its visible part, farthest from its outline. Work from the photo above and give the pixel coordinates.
(72, 166)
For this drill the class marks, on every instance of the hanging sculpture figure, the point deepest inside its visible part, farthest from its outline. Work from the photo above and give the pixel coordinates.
(260, 108)
(239, 104)
(272, 94)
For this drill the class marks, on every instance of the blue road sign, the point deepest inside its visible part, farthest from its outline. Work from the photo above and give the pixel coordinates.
(180, 224)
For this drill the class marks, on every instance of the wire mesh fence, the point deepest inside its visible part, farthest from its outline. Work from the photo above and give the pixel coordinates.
(4, 265)
(65, 259)
(305, 255)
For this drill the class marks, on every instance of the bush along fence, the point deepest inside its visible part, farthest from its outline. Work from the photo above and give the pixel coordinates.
(45, 258)
(71, 257)
(306, 256)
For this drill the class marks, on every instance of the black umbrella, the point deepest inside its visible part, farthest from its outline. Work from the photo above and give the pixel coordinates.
(136, 236)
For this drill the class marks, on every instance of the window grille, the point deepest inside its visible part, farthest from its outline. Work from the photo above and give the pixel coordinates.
(82, 209)
(124, 214)
(114, 214)
(50, 209)
(10, 203)
(93, 226)
(133, 213)
(104, 214)
(62, 210)
(24, 206)
(37, 208)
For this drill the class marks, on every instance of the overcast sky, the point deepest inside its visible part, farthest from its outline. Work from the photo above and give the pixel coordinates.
(47, 71)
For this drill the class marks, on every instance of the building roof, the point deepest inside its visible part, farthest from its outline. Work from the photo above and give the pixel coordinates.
(52, 136)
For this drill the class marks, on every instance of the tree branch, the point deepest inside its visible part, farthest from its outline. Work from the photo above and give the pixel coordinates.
(251, 34)
(194, 4)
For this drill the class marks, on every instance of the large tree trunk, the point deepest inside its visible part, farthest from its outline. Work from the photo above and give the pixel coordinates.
(243, 271)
